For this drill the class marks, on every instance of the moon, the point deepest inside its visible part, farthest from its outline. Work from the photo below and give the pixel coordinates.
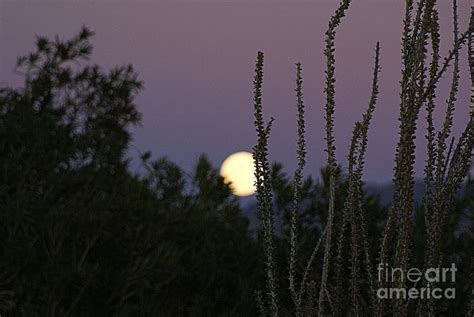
(238, 171)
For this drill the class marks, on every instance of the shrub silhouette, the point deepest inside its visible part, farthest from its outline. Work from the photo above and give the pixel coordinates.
(83, 236)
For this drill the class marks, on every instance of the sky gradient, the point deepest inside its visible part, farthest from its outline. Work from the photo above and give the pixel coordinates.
(196, 59)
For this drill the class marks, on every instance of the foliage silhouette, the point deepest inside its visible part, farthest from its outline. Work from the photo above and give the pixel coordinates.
(82, 235)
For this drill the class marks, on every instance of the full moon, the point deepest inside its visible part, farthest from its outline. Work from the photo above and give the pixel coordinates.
(237, 170)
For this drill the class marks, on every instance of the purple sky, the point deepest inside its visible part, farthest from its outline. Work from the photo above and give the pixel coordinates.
(196, 59)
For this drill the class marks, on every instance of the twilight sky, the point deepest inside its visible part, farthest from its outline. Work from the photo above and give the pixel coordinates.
(196, 59)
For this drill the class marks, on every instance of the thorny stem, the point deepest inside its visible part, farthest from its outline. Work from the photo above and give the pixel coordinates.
(330, 147)
(297, 183)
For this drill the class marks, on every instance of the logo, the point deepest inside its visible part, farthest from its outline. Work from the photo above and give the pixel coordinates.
(430, 279)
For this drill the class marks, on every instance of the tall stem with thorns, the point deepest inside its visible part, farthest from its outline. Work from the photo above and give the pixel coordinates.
(264, 192)
(297, 183)
(330, 146)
